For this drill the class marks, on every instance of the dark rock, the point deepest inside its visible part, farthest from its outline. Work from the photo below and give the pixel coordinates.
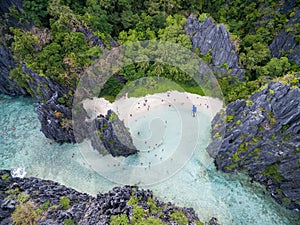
(213, 39)
(50, 112)
(213, 221)
(7, 63)
(262, 137)
(286, 41)
(7, 86)
(114, 135)
(84, 209)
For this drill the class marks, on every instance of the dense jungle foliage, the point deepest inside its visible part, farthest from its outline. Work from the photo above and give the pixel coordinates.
(55, 48)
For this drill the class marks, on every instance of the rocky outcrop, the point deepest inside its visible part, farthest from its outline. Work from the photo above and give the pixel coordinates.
(44, 196)
(114, 136)
(55, 117)
(7, 86)
(286, 41)
(262, 138)
(213, 39)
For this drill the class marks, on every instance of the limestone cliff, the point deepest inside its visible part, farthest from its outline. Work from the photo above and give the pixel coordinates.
(49, 203)
(287, 41)
(114, 136)
(7, 86)
(262, 139)
(214, 40)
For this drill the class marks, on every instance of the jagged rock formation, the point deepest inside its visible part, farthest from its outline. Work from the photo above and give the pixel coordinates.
(114, 136)
(213, 39)
(36, 195)
(286, 41)
(7, 86)
(55, 118)
(262, 138)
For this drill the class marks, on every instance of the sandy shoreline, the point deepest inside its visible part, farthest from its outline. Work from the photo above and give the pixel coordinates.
(162, 128)
(127, 108)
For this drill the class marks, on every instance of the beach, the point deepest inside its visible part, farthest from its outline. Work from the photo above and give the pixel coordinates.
(128, 108)
(163, 129)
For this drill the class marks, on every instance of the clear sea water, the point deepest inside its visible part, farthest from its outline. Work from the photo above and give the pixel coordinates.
(230, 198)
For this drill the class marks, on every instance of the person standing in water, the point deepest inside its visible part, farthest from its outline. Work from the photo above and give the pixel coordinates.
(194, 110)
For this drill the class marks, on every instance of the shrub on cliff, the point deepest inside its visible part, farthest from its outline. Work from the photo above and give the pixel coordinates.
(25, 214)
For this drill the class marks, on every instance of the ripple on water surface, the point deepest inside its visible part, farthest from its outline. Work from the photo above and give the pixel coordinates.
(230, 198)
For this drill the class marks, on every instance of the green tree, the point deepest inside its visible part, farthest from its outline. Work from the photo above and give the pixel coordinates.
(276, 67)
(24, 44)
(120, 219)
(25, 214)
(65, 202)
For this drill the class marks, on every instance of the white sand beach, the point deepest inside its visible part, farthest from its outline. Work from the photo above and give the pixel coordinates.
(129, 107)
(163, 130)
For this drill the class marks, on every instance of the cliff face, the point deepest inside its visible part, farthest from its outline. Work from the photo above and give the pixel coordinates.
(55, 118)
(262, 138)
(288, 42)
(213, 39)
(57, 204)
(115, 137)
(7, 86)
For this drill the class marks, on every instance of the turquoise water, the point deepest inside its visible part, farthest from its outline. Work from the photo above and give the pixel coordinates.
(230, 198)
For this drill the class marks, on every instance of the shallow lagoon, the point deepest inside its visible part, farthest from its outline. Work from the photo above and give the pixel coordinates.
(230, 198)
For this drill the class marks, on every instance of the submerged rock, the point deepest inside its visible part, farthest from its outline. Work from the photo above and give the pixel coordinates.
(58, 204)
(262, 138)
(213, 39)
(114, 136)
